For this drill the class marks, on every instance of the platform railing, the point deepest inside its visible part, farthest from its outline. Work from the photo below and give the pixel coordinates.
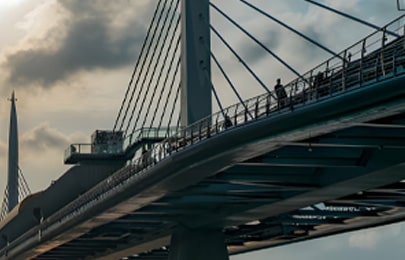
(138, 136)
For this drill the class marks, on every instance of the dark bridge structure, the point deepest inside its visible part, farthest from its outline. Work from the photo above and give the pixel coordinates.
(325, 157)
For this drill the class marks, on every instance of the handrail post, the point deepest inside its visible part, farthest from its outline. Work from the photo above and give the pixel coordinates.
(235, 115)
(209, 128)
(328, 76)
(383, 39)
(257, 108)
(268, 103)
(363, 51)
(246, 112)
(310, 85)
(344, 70)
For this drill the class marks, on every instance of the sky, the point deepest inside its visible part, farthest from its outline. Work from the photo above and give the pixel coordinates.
(69, 62)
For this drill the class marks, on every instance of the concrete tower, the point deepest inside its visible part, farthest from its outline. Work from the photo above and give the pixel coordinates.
(12, 157)
(195, 62)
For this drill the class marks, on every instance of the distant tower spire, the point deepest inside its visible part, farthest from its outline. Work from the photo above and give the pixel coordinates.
(13, 157)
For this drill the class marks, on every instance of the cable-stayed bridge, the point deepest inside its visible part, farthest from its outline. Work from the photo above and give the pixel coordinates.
(321, 155)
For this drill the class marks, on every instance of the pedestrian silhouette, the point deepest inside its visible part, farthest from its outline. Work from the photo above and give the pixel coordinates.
(228, 121)
(281, 94)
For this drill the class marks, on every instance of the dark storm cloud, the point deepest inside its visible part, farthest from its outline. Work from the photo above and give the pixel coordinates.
(91, 42)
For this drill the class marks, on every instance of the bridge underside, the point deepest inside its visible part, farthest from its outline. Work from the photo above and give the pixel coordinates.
(320, 177)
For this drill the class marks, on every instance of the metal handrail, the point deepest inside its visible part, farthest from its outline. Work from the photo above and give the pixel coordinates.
(325, 81)
(138, 136)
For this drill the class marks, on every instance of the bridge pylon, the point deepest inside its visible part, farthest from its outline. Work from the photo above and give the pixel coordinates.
(195, 65)
(196, 104)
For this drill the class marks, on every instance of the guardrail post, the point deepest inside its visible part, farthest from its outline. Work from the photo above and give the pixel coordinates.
(383, 39)
(344, 70)
(246, 112)
(363, 51)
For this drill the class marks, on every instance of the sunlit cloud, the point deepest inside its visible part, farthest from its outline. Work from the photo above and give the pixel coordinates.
(11, 3)
(84, 40)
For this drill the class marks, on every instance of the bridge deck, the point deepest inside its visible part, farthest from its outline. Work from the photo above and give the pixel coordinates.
(327, 160)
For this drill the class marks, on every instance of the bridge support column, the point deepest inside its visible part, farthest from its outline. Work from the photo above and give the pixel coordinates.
(198, 245)
(195, 64)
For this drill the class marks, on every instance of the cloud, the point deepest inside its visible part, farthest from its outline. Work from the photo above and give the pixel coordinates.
(94, 35)
(42, 138)
(41, 154)
(254, 53)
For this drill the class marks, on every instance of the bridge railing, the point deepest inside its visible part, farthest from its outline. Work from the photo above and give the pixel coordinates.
(148, 133)
(376, 57)
(139, 136)
(379, 56)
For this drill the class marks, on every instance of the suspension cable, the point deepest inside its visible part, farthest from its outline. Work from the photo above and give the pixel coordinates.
(141, 54)
(173, 108)
(351, 17)
(166, 35)
(258, 42)
(291, 29)
(230, 83)
(221, 108)
(165, 82)
(24, 184)
(240, 60)
(170, 94)
(147, 70)
(161, 70)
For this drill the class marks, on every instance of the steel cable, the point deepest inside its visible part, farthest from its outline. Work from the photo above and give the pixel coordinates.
(141, 54)
(146, 76)
(258, 42)
(142, 67)
(164, 84)
(163, 65)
